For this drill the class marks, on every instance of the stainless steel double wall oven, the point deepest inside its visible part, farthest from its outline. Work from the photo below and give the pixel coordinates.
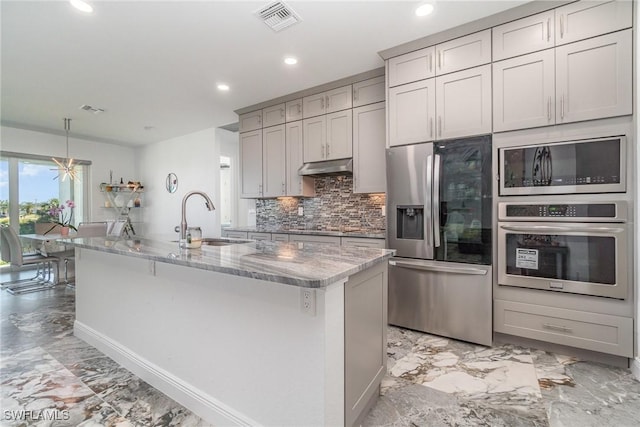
(569, 230)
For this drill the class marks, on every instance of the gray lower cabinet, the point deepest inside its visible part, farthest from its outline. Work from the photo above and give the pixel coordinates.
(592, 331)
(259, 236)
(280, 237)
(363, 242)
(365, 338)
(303, 238)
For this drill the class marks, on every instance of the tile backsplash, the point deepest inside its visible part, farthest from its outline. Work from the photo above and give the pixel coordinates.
(334, 208)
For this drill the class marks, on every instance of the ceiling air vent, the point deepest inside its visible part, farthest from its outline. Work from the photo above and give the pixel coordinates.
(278, 16)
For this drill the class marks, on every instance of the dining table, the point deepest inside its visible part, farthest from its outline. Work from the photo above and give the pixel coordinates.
(49, 245)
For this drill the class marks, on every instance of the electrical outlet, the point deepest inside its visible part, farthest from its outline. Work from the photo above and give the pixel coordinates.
(308, 301)
(383, 210)
(300, 211)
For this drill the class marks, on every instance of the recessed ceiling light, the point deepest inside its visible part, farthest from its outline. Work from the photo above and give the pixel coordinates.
(223, 87)
(290, 60)
(424, 9)
(81, 5)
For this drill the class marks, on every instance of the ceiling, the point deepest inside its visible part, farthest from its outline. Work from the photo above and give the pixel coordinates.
(153, 66)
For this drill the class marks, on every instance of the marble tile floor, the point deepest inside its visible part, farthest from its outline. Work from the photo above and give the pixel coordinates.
(432, 381)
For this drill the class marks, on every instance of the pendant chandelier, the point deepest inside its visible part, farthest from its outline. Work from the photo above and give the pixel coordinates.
(66, 168)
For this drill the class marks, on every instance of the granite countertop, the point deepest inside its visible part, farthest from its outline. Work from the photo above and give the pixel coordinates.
(309, 265)
(372, 234)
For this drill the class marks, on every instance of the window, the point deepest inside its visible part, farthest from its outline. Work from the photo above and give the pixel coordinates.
(31, 185)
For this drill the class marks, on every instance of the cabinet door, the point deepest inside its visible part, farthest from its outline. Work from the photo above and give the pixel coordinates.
(368, 91)
(339, 99)
(594, 78)
(463, 103)
(339, 135)
(250, 121)
(411, 67)
(464, 52)
(584, 19)
(524, 91)
(369, 149)
(251, 164)
(272, 116)
(296, 185)
(525, 35)
(279, 237)
(412, 113)
(294, 110)
(274, 176)
(300, 238)
(234, 234)
(314, 132)
(258, 236)
(363, 242)
(313, 105)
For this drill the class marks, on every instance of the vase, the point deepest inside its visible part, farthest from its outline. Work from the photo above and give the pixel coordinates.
(64, 231)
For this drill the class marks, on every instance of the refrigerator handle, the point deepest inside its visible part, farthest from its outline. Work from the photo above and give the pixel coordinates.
(436, 201)
(439, 268)
(427, 201)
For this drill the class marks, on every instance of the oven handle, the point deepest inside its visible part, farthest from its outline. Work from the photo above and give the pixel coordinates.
(439, 268)
(538, 228)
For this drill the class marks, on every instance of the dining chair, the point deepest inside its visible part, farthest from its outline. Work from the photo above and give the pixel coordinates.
(11, 252)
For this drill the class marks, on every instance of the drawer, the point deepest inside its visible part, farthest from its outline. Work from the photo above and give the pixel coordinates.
(259, 236)
(331, 240)
(280, 237)
(364, 242)
(234, 234)
(592, 331)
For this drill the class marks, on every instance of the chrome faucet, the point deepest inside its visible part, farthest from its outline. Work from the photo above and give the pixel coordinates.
(183, 221)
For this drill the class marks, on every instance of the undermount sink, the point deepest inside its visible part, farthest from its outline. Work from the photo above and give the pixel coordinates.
(220, 241)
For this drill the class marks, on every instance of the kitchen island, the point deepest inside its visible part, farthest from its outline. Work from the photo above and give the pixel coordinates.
(259, 333)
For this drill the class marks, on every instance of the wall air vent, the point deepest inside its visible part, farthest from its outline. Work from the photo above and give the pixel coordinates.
(91, 109)
(278, 16)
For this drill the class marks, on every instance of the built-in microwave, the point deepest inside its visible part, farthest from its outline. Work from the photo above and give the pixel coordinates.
(566, 167)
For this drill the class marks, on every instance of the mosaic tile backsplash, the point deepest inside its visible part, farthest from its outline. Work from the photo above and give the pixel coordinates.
(334, 208)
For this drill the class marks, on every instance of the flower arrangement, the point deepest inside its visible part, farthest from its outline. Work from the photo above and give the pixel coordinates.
(61, 214)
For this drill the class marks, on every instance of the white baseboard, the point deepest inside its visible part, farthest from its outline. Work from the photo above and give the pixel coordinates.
(205, 406)
(635, 368)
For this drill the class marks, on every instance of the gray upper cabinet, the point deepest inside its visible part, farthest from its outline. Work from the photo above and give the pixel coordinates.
(594, 78)
(369, 149)
(339, 99)
(296, 185)
(327, 102)
(412, 112)
(293, 110)
(464, 52)
(339, 144)
(526, 35)
(273, 161)
(584, 19)
(273, 115)
(412, 67)
(524, 91)
(368, 91)
(463, 103)
(250, 121)
(251, 164)
(314, 138)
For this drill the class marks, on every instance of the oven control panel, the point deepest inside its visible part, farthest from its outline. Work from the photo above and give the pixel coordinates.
(597, 212)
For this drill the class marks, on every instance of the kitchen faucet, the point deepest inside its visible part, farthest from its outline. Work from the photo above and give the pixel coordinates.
(183, 221)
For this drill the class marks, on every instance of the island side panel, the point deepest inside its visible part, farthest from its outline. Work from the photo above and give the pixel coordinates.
(234, 350)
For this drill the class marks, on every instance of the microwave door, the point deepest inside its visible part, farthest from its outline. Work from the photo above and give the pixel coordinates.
(409, 200)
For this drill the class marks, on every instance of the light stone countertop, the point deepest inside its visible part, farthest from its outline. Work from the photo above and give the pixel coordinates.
(371, 234)
(310, 265)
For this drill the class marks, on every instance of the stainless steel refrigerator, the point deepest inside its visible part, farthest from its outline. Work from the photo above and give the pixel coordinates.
(439, 222)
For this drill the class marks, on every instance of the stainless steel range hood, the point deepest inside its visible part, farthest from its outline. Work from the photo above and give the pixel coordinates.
(328, 167)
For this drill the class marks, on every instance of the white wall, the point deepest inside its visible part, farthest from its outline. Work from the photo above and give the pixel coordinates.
(104, 157)
(195, 159)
